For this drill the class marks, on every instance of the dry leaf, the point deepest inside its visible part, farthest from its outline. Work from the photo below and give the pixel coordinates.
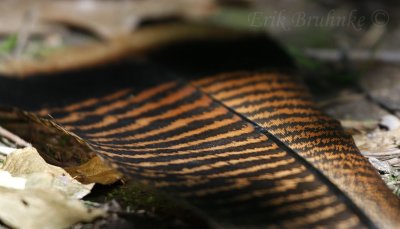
(95, 171)
(109, 19)
(97, 53)
(8, 181)
(105, 18)
(4, 150)
(383, 145)
(42, 209)
(29, 164)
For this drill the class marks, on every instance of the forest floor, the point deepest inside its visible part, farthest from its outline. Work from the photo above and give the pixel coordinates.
(363, 92)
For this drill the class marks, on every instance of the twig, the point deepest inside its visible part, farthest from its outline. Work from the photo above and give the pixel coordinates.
(17, 140)
(25, 31)
(354, 55)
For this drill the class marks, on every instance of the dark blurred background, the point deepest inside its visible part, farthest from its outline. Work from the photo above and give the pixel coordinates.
(347, 51)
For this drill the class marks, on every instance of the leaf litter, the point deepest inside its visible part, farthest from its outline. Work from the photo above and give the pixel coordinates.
(35, 194)
(29, 164)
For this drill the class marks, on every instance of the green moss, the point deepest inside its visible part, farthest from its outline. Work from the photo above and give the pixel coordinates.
(146, 207)
(9, 44)
(135, 196)
(304, 62)
(336, 73)
(393, 182)
(235, 17)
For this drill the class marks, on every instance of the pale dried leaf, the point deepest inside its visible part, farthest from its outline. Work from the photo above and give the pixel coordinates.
(8, 181)
(29, 164)
(95, 171)
(5, 150)
(40, 208)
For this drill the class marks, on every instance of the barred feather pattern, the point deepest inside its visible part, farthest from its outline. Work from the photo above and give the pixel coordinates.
(250, 150)
(247, 149)
(281, 105)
